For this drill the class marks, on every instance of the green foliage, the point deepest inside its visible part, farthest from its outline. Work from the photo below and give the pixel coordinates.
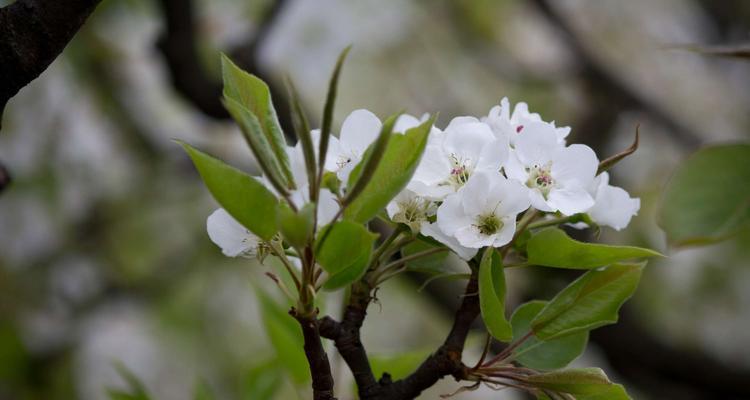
(344, 250)
(434, 264)
(249, 98)
(552, 247)
(263, 381)
(244, 198)
(135, 388)
(492, 295)
(325, 130)
(398, 366)
(203, 392)
(583, 383)
(285, 336)
(591, 301)
(398, 163)
(544, 355)
(359, 179)
(297, 227)
(708, 198)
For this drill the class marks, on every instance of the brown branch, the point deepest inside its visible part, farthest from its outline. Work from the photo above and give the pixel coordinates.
(320, 368)
(445, 361)
(4, 178)
(178, 46)
(32, 34)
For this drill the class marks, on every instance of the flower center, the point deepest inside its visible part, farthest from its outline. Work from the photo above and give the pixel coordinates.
(460, 172)
(540, 177)
(488, 224)
(413, 212)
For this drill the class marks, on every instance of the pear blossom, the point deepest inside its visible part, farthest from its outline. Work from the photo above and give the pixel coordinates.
(233, 238)
(557, 176)
(358, 131)
(432, 230)
(467, 146)
(483, 212)
(410, 209)
(510, 125)
(613, 206)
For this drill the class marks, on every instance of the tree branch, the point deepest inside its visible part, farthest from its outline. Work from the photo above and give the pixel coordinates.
(32, 34)
(191, 80)
(445, 361)
(320, 368)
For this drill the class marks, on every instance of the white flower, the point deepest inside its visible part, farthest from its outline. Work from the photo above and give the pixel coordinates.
(558, 176)
(511, 125)
(233, 238)
(483, 212)
(410, 209)
(432, 230)
(613, 206)
(358, 131)
(466, 147)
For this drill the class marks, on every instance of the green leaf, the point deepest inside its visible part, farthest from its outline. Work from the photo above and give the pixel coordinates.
(552, 247)
(492, 295)
(203, 392)
(398, 365)
(325, 129)
(297, 227)
(434, 264)
(543, 355)
(136, 390)
(583, 383)
(262, 381)
(244, 198)
(591, 301)
(251, 93)
(394, 171)
(345, 252)
(285, 336)
(360, 177)
(251, 130)
(302, 130)
(708, 198)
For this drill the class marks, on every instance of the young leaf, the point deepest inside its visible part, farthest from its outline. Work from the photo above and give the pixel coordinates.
(259, 145)
(361, 176)
(297, 227)
(253, 94)
(591, 301)
(325, 131)
(492, 295)
(544, 355)
(398, 163)
(708, 198)
(244, 198)
(285, 336)
(552, 247)
(345, 252)
(583, 383)
(434, 264)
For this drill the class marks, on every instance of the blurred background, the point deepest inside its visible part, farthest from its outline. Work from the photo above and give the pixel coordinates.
(104, 258)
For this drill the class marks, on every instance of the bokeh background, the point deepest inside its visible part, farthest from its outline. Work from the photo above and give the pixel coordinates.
(104, 259)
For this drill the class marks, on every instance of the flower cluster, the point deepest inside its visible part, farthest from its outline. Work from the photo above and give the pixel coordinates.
(474, 179)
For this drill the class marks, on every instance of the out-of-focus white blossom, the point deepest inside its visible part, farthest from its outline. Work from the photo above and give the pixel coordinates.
(511, 125)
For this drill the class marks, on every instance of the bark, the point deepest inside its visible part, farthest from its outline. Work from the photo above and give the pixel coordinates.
(320, 368)
(32, 34)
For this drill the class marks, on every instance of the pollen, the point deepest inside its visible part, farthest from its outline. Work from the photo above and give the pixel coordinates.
(488, 224)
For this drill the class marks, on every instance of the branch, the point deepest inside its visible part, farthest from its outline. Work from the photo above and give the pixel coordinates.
(191, 80)
(4, 178)
(32, 34)
(445, 361)
(320, 368)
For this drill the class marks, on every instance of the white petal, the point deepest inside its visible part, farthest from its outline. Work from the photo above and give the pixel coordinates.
(233, 238)
(514, 169)
(359, 130)
(434, 232)
(515, 198)
(467, 141)
(328, 207)
(614, 207)
(405, 122)
(575, 163)
(536, 143)
(469, 236)
(538, 201)
(494, 156)
(474, 194)
(506, 232)
(570, 200)
(451, 215)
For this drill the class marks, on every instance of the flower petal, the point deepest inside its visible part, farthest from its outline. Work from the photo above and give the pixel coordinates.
(434, 232)
(575, 163)
(570, 200)
(359, 130)
(233, 238)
